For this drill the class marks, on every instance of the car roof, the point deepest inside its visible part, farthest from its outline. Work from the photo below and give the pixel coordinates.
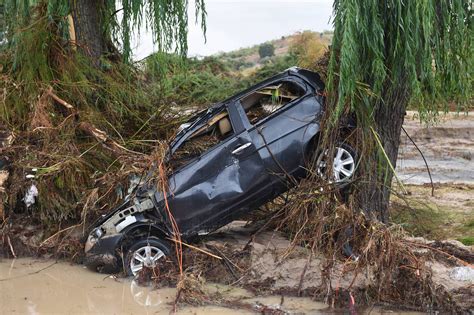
(310, 77)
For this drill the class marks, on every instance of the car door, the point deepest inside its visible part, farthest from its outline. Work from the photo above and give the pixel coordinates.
(281, 138)
(206, 193)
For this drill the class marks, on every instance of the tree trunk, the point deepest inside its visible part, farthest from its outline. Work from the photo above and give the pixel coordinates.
(373, 195)
(90, 35)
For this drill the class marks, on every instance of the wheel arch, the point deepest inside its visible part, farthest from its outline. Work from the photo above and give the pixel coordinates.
(142, 229)
(311, 147)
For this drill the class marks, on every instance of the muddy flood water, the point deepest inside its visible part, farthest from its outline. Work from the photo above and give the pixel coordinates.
(29, 286)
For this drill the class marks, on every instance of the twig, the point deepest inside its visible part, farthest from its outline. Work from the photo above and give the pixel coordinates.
(29, 274)
(59, 100)
(465, 263)
(238, 280)
(11, 247)
(58, 232)
(288, 176)
(423, 156)
(103, 138)
(227, 262)
(195, 248)
(388, 160)
(300, 285)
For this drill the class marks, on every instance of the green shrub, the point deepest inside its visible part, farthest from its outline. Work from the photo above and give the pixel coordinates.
(468, 241)
(266, 50)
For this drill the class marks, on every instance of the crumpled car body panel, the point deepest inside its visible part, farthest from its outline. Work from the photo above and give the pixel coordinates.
(239, 174)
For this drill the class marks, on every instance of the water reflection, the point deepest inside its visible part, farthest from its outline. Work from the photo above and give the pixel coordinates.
(44, 287)
(144, 295)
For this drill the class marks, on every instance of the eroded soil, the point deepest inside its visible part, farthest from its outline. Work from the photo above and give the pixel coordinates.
(448, 146)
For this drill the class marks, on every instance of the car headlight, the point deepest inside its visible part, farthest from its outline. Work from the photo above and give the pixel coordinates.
(93, 238)
(98, 232)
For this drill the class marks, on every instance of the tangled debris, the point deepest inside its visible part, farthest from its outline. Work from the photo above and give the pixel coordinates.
(382, 266)
(270, 265)
(57, 176)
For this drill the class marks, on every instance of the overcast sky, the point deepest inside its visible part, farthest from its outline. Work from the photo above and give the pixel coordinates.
(232, 24)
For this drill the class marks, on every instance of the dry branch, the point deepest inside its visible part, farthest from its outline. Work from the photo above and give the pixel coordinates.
(59, 100)
(104, 139)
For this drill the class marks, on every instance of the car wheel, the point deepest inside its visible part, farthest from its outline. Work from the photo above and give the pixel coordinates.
(147, 252)
(343, 164)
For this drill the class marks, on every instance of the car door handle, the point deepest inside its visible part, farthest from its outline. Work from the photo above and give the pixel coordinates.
(241, 148)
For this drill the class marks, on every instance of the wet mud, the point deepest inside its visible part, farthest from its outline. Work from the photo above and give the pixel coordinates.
(30, 286)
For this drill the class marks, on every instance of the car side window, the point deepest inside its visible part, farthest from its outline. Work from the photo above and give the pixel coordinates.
(265, 101)
(217, 129)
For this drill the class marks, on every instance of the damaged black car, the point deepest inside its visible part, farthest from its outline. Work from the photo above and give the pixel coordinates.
(226, 161)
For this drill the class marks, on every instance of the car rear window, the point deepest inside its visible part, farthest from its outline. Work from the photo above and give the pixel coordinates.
(265, 101)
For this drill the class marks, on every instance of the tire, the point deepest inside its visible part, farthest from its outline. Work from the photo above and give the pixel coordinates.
(344, 164)
(103, 264)
(151, 251)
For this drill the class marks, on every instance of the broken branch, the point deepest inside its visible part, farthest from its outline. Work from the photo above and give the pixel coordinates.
(58, 99)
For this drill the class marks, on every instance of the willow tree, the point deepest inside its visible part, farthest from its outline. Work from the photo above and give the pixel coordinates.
(2, 22)
(78, 52)
(389, 54)
(83, 48)
(99, 27)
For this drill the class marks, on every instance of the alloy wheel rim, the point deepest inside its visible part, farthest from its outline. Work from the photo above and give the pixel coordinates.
(343, 165)
(146, 256)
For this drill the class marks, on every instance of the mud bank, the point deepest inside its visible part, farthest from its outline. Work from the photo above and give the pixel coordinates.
(278, 267)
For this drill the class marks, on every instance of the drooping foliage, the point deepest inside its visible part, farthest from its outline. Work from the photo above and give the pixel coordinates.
(385, 56)
(39, 52)
(2, 22)
(168, 20)
(424, 47)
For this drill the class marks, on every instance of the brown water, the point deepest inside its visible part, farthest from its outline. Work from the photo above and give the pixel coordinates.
(45, 287)
(30, 286)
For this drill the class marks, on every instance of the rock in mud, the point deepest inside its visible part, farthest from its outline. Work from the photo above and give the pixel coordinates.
(463, 274)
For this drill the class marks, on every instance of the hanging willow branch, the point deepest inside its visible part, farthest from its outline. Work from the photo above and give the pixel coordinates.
(385, 56)
(167, 20)
(425, 45)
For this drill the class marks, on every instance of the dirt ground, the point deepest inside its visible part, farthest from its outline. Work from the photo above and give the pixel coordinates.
(448, 147)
